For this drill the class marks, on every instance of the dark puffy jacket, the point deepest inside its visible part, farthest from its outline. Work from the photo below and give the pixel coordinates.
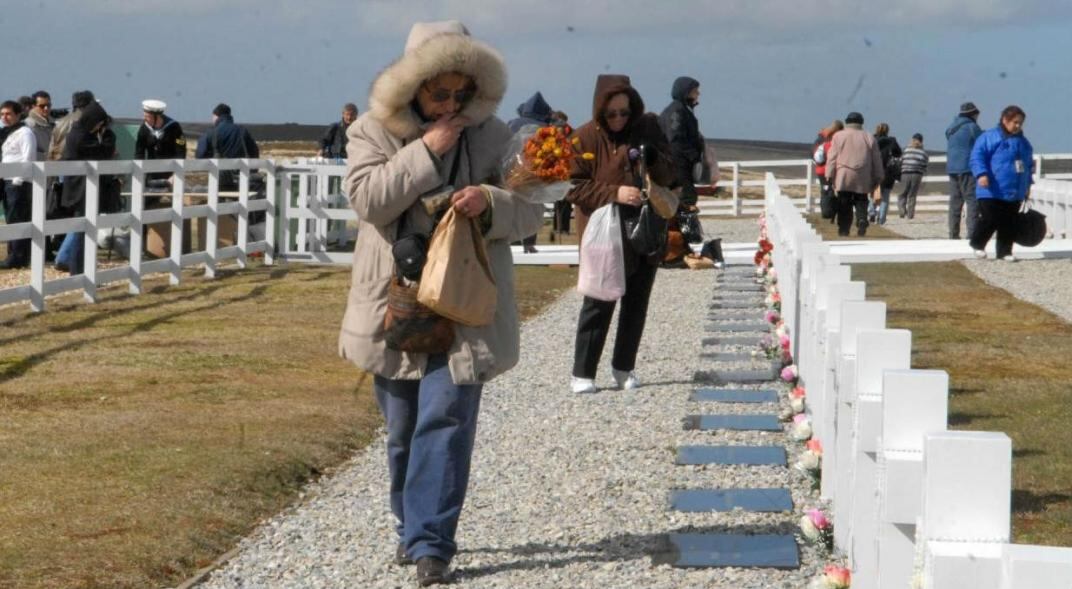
(889, 148)
(961, 136)
(333, 143)
(227, 140)
(534, 111)
(682, 130)
(83, 144)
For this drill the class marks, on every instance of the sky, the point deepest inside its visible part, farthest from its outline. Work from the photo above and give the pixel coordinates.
(769, 69)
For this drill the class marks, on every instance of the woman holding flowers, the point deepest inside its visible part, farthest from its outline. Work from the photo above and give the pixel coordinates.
(619, 124)
(431, 128)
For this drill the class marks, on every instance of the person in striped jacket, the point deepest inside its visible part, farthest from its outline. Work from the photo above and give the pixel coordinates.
(913, 167)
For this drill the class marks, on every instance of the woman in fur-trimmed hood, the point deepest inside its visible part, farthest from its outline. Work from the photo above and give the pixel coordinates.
(430, 127)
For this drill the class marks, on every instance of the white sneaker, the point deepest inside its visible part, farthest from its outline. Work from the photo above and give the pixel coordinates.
(627, 380)
(582, 386)
(979, 254)
(1009, 258)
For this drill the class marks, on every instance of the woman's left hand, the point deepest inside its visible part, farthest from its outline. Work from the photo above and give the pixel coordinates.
(469, 201)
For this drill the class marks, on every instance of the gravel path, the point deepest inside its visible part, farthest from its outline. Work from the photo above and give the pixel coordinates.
(1045, 283)
(566, 490)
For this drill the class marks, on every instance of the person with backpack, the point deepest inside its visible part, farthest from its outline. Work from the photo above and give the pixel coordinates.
(913, 167)
(891, 164)
(827, 198)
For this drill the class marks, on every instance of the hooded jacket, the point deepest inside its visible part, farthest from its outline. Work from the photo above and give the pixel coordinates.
(83, 144)
(389, 168)
(1008, 162)
(961, 136)
(682, 130)
(596, 181)
(534, 111)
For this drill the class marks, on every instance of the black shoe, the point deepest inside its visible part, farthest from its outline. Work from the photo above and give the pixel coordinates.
(861, 232)
(12, 264)
(401, 558)
(432, 571)
(843, 233)
(61, 267)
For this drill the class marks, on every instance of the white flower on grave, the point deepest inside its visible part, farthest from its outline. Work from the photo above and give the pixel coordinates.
(818, 583)
(796, 404)
(809, 529)
(801, 429)
(809, 461)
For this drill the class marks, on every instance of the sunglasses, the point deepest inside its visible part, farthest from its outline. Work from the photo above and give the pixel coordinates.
(460, 96)
(616, 114)
(48, 105)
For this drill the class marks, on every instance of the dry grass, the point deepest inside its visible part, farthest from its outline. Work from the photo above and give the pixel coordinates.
(1009, 371)
(141, 437)
(828, 230)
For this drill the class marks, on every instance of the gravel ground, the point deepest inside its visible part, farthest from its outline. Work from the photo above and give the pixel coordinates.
(566, 490)
(1043, 282)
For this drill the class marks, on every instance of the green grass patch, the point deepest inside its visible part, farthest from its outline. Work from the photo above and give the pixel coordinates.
(142, 437)
(828, 230)
(1009, 371)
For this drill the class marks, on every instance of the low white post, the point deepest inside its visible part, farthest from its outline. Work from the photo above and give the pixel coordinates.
(137, 227)
(1037, 567)
(736, 187)
(212, 221)
(809, 203)
(38, 240)
(269, 216)
(243, 214)
(967, 493)
(178, 192)
(914, 403)
(89, 237)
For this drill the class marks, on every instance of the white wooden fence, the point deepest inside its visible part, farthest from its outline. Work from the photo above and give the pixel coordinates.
(912, 501)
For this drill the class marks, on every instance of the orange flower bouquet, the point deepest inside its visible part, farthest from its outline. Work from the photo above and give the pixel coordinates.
(538, 165)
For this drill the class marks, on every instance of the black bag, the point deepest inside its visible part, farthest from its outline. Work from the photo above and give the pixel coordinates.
(1030, 228)
(647, 232)
(688, 223)
(893, 169)
(713, 250)
(827, 202)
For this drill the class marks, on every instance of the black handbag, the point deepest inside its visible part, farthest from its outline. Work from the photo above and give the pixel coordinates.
(647, 232)
(827, 202)
(688, 223)
(1030, 228)
(713, 250)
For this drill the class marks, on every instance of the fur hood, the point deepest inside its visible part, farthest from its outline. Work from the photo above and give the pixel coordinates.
(432, 49)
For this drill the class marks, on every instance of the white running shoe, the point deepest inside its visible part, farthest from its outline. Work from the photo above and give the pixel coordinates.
(979, 254)
(582, 386)
(1009, 258)
(627, 380)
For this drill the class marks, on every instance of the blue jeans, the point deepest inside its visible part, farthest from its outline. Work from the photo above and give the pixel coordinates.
(431, 427)
(72, 253)
(879, 211)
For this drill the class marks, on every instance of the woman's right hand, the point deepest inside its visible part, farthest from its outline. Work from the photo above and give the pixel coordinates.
(983, 181)
(630, 195)
(443, 134)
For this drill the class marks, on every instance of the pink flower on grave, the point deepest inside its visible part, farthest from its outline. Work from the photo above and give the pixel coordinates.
(796, 400)
(818, 518)
(781, 329)
(801, 429)
(789, 374)
(777, 297)
(797, 392)
(773, 317)
(784, 341)
(837, 577)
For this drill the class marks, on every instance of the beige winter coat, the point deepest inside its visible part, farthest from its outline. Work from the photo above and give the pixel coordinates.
(389, 168)
(854, 163)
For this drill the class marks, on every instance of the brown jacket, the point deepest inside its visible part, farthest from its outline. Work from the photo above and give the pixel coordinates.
(389, 169)
(596, 182)
(854, 162)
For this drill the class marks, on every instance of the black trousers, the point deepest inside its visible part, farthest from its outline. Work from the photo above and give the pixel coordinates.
(17, 208)
(594, 324)
(995, 215)
(846, 203)
(563, 212)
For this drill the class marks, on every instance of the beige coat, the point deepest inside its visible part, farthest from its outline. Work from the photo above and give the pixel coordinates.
(854, 163)
(389, 169)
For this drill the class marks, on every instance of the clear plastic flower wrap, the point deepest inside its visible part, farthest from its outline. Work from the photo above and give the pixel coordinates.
(537, 163)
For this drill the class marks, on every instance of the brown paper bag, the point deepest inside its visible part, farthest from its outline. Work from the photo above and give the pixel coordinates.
(457, 282)
(663, 200)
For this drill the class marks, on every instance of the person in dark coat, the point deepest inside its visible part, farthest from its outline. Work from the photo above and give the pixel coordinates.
(534, 111)
(160, 138)
(682, 130)
(90, 139)
(619, 124)
(333, 143)
(226, 140)
(889, 149)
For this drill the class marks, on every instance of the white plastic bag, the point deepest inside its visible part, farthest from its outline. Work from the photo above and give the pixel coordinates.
(602, 271)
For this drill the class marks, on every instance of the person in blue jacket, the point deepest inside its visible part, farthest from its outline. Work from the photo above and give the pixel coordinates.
(1002, 163)
(961, 136)
(226, 140)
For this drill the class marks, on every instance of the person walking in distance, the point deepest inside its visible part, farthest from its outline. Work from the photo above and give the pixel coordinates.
(854, 166)
(913, 167)
(960, 138)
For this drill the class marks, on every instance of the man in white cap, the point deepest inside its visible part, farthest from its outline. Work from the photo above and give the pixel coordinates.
(160, 138)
